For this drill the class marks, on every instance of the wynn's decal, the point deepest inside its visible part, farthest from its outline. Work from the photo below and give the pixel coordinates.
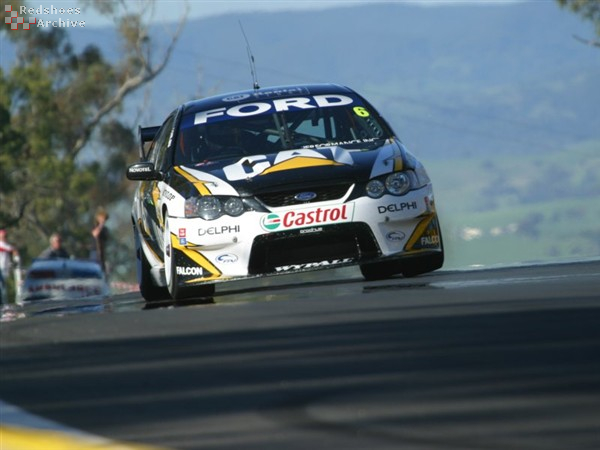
(313, 265)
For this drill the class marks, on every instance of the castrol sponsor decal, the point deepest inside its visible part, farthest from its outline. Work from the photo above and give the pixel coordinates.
(307, 217)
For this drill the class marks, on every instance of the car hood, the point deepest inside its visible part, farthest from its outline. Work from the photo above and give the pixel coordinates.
(297, 168)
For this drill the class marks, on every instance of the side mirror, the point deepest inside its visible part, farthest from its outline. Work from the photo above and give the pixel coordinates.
(143, 171)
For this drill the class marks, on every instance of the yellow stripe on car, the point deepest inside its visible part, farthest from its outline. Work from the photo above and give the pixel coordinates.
(201, 186)
(198, 258)
(419, 230)
(300, 162)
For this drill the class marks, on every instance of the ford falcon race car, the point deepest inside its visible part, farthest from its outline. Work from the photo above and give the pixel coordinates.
(64, 279)
(274, 181)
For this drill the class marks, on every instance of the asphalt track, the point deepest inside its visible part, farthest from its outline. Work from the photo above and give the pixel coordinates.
(489, 359)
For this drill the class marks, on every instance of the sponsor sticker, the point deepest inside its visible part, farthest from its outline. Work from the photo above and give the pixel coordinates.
(190, 271)
(397, 207)
(395, 236)
(224, 229)
(299, 218)
(314, 265)
(311, 230)
(271, 106)
(227, 258)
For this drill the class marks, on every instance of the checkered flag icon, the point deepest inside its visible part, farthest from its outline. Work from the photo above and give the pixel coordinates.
(14, 20)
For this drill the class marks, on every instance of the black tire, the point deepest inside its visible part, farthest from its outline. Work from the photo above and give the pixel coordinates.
(380, 270)
(423, 264)
(174, 287)
(179, 292)
(148, 289)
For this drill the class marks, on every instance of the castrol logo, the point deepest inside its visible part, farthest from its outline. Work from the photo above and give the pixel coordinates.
(299, 218)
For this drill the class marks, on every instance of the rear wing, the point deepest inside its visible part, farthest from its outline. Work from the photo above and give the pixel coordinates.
(146, 135)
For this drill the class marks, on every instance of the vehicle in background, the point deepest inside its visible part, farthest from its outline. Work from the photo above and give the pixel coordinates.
(64, 279)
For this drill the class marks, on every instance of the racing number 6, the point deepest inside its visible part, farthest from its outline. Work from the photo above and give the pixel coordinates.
(360, 111)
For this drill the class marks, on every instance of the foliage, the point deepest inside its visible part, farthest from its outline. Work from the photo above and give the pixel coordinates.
(64, 145)
(588, 9)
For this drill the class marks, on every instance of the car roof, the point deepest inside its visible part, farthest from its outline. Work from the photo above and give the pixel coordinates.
(255, 95)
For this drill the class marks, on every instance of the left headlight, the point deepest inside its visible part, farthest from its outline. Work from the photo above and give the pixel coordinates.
(209, 207)
(397, 183)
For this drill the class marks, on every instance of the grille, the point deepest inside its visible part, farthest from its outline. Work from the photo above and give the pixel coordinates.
(294, 247)
(286, 198)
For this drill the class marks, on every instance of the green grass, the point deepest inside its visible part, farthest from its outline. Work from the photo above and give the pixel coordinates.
(500, 194)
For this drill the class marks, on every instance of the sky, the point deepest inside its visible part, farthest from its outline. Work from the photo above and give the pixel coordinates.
(172, 10)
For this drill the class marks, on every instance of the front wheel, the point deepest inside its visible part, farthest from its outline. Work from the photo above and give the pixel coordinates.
(172, 258)
(380, 270)
(148, 289)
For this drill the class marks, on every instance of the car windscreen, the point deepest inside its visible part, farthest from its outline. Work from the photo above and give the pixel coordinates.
(283, 124)
(63, 273)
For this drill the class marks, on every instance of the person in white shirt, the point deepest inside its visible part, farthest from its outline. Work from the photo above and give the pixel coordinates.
(7, 252)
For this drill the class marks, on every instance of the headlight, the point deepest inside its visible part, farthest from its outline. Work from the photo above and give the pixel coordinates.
(397, 183)
(375, 188)
(209, 207)
(233, 206)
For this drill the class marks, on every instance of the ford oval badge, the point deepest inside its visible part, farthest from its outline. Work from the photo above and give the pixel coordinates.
(305, 196)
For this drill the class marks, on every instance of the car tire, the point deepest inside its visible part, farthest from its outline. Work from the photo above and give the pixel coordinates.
(150, 291)
(423, 264)
(380, 270)
(171, 256)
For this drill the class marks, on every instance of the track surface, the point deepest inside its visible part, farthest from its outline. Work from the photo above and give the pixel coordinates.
(492, 359)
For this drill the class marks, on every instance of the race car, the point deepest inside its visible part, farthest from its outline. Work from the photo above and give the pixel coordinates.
(64, 279)
(275, 181)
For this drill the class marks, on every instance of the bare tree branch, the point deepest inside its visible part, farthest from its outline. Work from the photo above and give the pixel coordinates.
(587, 41)
(146, 74)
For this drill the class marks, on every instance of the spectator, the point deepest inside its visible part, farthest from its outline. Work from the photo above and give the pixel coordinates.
(56, 249)
(100, 234)
(7, 253)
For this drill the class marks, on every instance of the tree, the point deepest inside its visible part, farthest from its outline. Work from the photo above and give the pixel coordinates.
(64, 143)
(589, 10)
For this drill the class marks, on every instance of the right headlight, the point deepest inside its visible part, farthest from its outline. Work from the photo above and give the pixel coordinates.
(209, 207)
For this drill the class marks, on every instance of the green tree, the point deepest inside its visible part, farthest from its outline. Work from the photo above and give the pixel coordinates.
(64, 141)
(589, 10)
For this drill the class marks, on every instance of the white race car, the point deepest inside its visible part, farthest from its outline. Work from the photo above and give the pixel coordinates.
(274, 181)
(64, 279)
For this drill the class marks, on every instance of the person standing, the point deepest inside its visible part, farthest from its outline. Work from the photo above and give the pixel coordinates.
(56, 249)
(7, 253)
(100, 234)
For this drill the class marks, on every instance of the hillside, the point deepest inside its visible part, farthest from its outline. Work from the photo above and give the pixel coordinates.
(467, 78)
(498, 100)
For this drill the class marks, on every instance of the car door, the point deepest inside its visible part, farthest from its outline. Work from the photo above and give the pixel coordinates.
(150, 191)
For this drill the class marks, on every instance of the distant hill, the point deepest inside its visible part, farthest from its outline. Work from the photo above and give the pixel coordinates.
(498, 100)
(452, 79)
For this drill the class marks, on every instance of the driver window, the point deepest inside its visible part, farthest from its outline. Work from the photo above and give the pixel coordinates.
(160, 147)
